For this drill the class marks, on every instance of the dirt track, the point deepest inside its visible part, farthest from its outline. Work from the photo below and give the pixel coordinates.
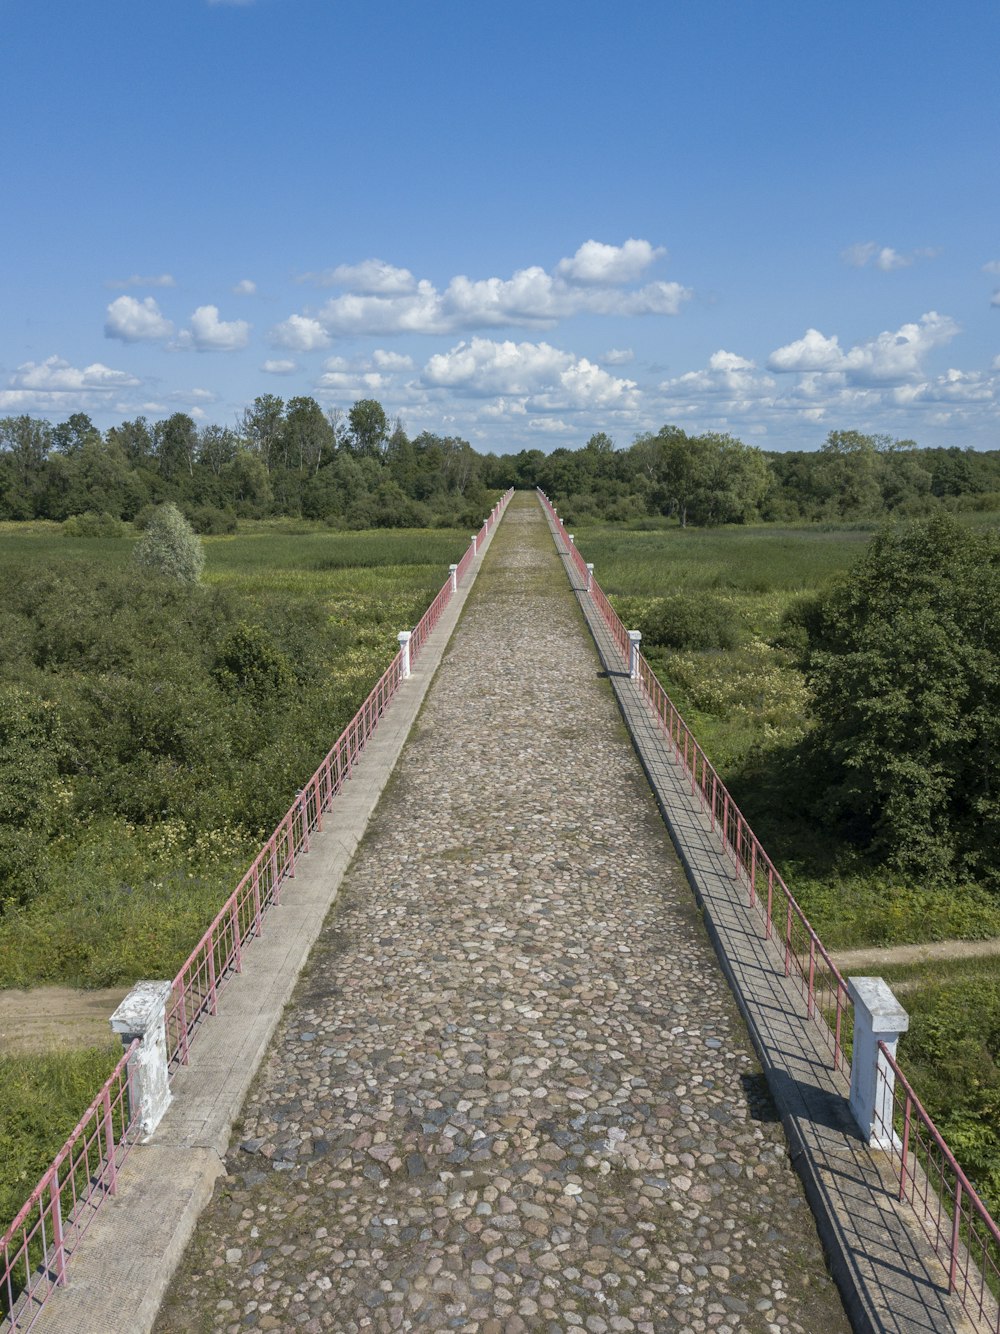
(874, 957)
(53, 1017)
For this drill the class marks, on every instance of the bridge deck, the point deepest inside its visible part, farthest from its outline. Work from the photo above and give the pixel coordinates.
(513, 1091)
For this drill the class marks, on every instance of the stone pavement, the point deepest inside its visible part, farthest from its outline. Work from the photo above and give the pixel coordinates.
(512, 1091)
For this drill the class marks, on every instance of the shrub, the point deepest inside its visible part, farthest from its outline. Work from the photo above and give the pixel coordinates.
(210, 521)
(685, 621)
(91, 524)
(170, 547)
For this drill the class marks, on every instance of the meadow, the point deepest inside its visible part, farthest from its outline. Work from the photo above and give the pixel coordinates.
(719, 596)
(186, 722)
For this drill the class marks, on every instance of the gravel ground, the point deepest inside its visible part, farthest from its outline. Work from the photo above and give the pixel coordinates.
(513, 1091)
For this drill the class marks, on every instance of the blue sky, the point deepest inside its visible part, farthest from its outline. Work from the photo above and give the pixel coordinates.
(517, 223)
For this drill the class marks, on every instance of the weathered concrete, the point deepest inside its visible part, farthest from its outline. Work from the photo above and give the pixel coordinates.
(513, 1091)
(125, 1264)
(890, 1280)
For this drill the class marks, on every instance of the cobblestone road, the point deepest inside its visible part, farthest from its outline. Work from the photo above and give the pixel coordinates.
(513, 1092)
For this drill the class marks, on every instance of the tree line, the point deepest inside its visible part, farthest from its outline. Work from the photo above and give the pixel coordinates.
(360, 469)
(356, 470)
(714, 478)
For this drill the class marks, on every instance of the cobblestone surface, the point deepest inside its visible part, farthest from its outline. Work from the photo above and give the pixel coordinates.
(513, 1092)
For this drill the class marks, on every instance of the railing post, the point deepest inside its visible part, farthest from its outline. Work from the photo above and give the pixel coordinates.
(142, 1015)
(59, 1247)
(878, 1017)
(590, 575)
(572, 540)
(475, 537)
(404, 654)
(453, 571)
(634, 639)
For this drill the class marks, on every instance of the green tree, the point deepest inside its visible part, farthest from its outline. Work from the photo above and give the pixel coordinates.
(260, 426)
(170, 546)
(176, 443)
(903, 658)
(307, 437)
(368, 428)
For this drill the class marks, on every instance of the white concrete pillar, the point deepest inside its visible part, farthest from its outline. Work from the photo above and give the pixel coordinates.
(634, 639)
(404, 649)
(878, 1017)
(142, 1015)
(453, 571)
(590, 575)
(475, 537)
(572, 540)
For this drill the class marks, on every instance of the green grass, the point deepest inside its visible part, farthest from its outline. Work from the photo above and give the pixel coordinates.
(43, 1097)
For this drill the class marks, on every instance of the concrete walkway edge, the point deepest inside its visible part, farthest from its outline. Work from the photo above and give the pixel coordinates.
(122, 1269)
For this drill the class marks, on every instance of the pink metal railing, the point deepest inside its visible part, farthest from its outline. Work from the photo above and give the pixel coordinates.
(954, 1219)
(35, 1248)
(962, 1231)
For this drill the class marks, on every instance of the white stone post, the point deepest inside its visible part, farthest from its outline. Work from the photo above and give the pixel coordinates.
(634, 639)
(404, 649)
(572, 540)
(878, 1017)
(453, 571)
(142, 1015)
(590, 575)
(474, 539)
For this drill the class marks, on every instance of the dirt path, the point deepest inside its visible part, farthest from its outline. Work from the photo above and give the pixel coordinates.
(872, 957)
(55, 1017)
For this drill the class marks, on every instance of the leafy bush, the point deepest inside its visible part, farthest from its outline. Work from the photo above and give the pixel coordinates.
(689, 621)
(170, 547)
(90, 524)
(209, 521)
(903, 658)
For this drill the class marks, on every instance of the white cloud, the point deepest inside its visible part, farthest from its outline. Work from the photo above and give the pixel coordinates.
(381, 299)
(279, 367)
(618, 356)
(245, 287)
(371, 277)
(812, 352)
(995, 299)
(353, 384)
(210, 334)
(883, 257)
(609, 265)
(391, 361)
(136, 321)
(301, 333)
(728, 376)
(887, 358)
(138, 280)
(992, 266)
(551, 426)
(545, 377)
(54, 374)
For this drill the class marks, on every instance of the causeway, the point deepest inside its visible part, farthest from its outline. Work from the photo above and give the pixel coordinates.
(512, 1091)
